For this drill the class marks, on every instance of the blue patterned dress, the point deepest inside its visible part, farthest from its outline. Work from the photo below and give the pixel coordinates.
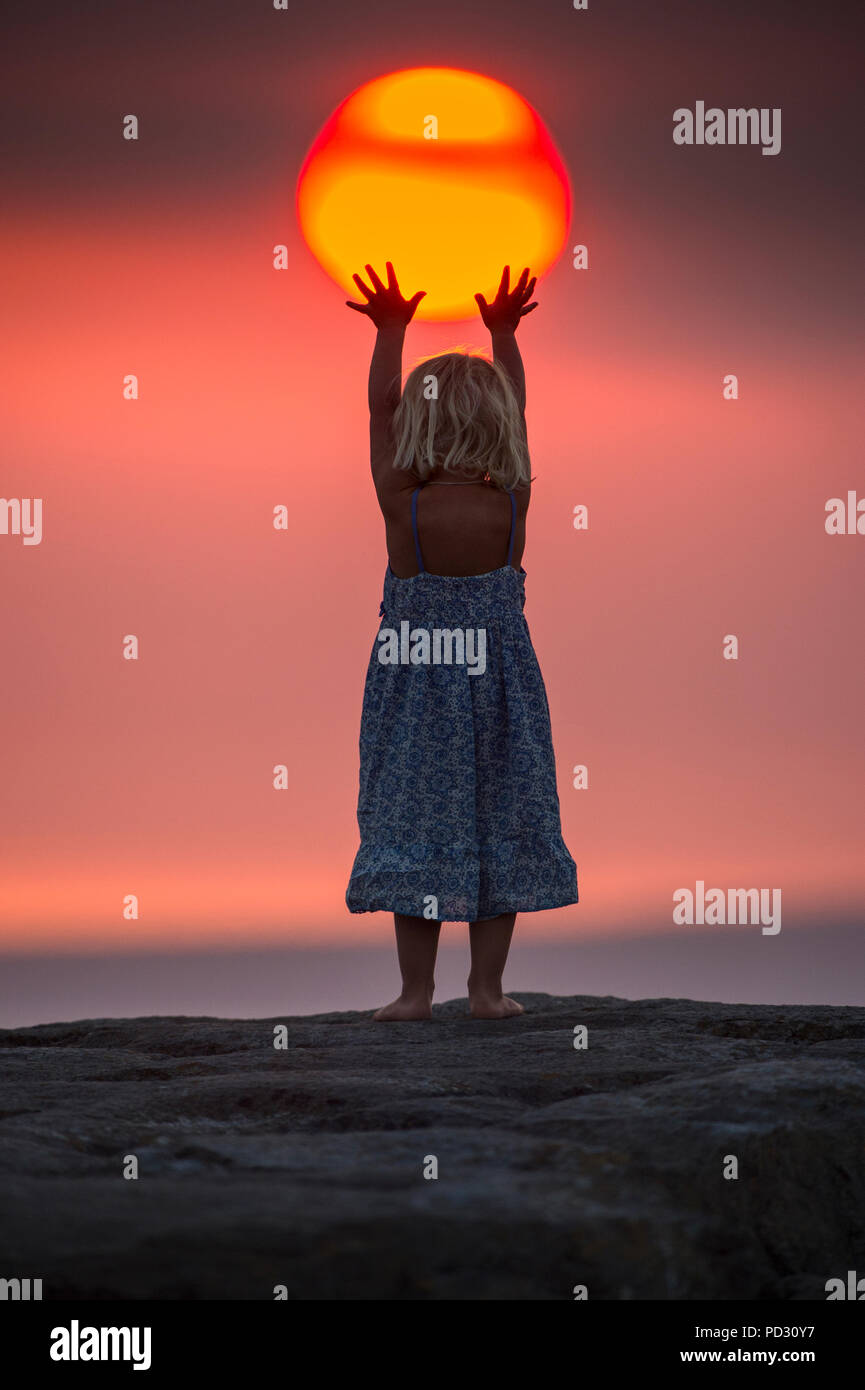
(458, 808)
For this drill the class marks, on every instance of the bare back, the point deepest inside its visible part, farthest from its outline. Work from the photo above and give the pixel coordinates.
(464, 529)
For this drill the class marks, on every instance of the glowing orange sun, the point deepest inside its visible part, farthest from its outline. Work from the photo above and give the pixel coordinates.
(446, 173)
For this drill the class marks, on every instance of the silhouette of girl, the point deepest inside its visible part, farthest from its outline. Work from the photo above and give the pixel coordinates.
(458, 808)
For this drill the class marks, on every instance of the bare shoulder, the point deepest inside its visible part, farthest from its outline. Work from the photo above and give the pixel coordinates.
(393, 493)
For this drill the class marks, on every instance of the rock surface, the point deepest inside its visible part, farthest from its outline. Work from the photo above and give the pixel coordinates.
(557, 1167)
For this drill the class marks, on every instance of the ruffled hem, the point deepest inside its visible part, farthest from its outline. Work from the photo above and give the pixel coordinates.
(389, 904)
(462, 885)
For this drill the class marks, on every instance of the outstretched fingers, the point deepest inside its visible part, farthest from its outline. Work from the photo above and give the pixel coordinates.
(365, 291)
(522, 290)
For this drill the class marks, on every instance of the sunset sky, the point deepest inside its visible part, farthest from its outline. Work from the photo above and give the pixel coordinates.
(706, 517)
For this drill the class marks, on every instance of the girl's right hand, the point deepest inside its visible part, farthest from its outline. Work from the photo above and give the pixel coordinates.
(385, 305)
(508, 307)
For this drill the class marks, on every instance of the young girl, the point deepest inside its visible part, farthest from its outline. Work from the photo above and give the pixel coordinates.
(458, 809)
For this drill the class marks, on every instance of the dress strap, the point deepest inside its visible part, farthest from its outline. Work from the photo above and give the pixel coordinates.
(414, 530)
(513, 526)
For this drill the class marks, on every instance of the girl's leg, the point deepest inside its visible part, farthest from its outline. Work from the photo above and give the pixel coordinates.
(490, 943)
(417, 940)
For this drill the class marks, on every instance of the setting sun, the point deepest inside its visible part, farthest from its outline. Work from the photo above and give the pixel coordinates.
(446, 173)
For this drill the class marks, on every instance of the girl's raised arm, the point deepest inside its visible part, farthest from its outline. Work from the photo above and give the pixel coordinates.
(391, 314)
(501, 318)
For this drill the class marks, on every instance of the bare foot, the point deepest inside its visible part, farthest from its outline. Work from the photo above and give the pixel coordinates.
(405, 1008)
(487, 1006)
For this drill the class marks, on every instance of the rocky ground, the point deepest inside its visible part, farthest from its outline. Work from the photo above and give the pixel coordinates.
(303, 1167)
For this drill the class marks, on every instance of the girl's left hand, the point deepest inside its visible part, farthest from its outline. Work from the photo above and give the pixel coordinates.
(509, 306)
(385, 305)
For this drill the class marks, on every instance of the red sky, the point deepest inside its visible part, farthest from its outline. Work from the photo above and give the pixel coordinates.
(706, 517)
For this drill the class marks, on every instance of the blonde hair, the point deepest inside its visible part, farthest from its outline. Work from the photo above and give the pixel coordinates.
(459, 412)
